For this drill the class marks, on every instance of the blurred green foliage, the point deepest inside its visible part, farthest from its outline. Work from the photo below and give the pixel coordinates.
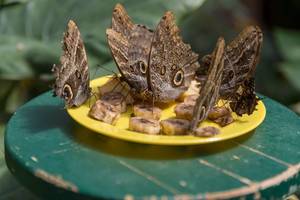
(289, 45)
(31, 31)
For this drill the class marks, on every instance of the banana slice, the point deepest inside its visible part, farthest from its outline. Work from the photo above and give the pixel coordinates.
(105, 112)
(146, 111)
(184, 111)
(218, 112)
(207, 131)
(114, 84)
(175, 126)
(193, 89)
(221, 116)
(149, 126)
(116, 99)
(191, 99)
(224, 121)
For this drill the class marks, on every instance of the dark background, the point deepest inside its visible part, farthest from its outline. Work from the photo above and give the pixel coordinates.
(31, 31)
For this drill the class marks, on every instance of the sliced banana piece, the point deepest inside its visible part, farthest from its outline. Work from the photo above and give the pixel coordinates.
(224, 120)
(221, 116)
(191, 99)
(193, 89)
(114, 84)
(105, 112)
(207, 131)
(146, 111)
(116, 99)
(149, 126)
(217, 112)
(184, 111)
(175, 126)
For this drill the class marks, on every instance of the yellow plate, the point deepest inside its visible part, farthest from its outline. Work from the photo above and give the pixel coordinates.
(240, 126)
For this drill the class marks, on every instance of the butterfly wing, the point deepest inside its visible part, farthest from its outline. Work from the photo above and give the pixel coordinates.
(121, 22)
(138, 54)
(209, 93)
(172, 63)
(245, 100)
(72, 76)
(241, 58)
(130, 46)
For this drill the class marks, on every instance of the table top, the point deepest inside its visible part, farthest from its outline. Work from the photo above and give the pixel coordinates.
(52, 155)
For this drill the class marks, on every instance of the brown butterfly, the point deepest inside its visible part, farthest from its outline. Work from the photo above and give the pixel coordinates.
(72, 75)
(209, 93)
(240, 61)
(158, 65)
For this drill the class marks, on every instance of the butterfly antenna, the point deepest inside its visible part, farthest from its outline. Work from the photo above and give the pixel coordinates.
(93, 95)
(117, 84)
(125, 97)
(94, 74)
(107, 70)
(123, 86)
(152, 104)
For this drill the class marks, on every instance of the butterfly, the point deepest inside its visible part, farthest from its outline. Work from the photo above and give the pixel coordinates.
(72, 75)
(209, 93)
(240, 60)
(157, 65)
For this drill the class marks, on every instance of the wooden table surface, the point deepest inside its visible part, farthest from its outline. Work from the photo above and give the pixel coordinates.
(54, 157)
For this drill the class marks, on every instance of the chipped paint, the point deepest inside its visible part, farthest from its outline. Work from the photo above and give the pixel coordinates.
(256, 187)
(227, 172)
(164, 198)
(183, 183)
(291, 197)
(33, 158)
(183, 197)
(128, 197)
(263, 154)
(55, 180)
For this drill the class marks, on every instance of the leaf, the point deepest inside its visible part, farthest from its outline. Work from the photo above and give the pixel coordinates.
(288, 42)
(13, 65)
(21, 57)
(292, 72)
(43, 22)
(30, 35)
(2, 127)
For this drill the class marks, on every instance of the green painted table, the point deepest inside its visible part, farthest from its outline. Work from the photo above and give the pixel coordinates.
(57, 159)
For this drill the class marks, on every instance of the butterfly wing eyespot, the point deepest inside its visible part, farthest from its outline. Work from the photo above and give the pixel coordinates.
(67, 92)
(202, 112)
(77, 74)
(163, 70)
(178, 78)
(142, 67)
(131, 68)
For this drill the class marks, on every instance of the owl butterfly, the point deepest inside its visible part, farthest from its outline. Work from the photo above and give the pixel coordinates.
(72, 75)
(157, 65)
(209, 93)
(240, 60)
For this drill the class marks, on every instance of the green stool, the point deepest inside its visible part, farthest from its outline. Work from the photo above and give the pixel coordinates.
(58, 159)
